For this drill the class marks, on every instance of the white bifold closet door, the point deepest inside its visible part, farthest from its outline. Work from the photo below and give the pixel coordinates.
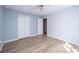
(40, 26)
(23, 26)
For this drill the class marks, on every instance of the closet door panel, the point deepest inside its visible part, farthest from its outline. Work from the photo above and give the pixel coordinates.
(20, 26)
(23, 26)
(27, 26)
(40, 26)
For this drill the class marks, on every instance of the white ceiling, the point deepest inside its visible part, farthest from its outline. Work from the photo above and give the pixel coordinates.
(33, 9)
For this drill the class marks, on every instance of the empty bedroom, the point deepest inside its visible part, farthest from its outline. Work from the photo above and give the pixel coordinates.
(39, 28)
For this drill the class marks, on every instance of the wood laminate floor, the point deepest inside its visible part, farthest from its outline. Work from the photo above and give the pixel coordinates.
(39, 44)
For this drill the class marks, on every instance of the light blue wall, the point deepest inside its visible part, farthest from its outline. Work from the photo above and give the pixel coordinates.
(11, 23)
(64, 24)
(1, 19)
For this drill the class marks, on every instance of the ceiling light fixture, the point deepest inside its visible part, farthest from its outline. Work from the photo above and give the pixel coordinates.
(41, 7)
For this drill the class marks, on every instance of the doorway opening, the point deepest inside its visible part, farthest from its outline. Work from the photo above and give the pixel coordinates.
(45, 26)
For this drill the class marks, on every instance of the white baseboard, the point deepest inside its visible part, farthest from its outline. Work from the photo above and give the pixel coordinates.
(1, 45)
(40, 34)
(63, 40)
(34, 35)
(28, 36)
(18, 39)
(10, 40)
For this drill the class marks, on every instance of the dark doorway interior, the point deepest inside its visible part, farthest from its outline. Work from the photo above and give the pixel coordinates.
(45, 26)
